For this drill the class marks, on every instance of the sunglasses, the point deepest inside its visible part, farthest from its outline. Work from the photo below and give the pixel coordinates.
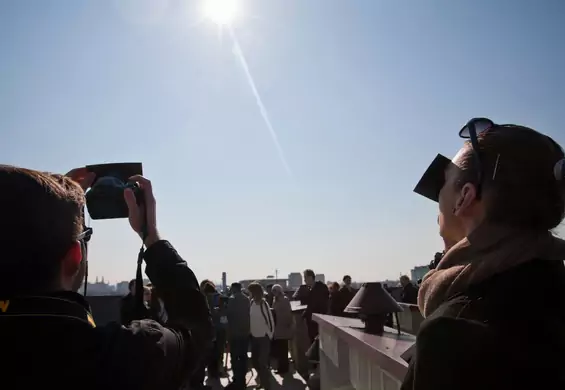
(470, 131)
(84, 238)
(86, 235)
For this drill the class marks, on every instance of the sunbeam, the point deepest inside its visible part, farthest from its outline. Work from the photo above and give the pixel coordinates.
(239, 54)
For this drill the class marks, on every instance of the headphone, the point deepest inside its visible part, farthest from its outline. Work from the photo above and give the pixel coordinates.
(559, 170)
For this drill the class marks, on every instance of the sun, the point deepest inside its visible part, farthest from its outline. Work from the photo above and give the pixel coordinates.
(221, 12)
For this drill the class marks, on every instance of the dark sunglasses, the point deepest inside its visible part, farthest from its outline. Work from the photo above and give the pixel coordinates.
(471, 130)
(84, 238)
(85, 235)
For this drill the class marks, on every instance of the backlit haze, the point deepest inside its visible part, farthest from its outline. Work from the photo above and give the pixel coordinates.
(283, 135)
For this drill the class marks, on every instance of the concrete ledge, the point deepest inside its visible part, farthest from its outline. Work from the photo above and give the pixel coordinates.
(353, 359)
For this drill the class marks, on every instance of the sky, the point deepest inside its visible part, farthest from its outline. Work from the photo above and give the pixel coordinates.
(361, 95)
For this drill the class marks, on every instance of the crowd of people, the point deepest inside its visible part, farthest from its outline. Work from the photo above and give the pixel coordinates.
(499, 201)
(252, 319)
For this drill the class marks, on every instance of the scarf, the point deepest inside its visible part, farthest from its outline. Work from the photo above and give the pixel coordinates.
(489, 250)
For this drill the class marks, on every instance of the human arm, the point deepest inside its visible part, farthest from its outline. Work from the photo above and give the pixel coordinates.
(189, 328)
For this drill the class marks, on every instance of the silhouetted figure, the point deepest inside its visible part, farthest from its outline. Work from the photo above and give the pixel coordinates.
(409, 291)
(335, 304)
(283, 328)
(317, 301)
(485, 326)
(238, 333)
(346, 294)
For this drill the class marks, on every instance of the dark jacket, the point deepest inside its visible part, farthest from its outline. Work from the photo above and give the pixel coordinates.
(238, 316)
(218, 306)
(409, 294)
(344, 296)
(505, 333)
(318, 300)
(52, 341)
(335, 305)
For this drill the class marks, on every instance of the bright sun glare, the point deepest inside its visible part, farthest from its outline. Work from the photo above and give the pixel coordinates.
(221, 12)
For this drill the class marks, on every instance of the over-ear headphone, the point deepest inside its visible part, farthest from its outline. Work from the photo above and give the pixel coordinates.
(559, 170)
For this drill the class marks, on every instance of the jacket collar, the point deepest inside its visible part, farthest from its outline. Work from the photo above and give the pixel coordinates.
(64, 305)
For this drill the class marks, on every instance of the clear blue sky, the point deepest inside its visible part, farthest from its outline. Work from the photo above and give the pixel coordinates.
(362, 95)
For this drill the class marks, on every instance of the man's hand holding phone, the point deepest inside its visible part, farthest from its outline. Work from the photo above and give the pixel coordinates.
(144, 212)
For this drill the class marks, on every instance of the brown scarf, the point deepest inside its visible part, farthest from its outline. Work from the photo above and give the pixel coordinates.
(488, 251)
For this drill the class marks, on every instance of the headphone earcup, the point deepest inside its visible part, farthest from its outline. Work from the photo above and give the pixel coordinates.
(559, 170)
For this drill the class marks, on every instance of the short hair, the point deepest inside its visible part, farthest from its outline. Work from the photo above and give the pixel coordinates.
(405, 277)
(208, 287)
(518, 180)
(42, 216)
(310, 273)
(131, 284)
(236, 287)
(205, 282)
(255, 289)
(346, 277)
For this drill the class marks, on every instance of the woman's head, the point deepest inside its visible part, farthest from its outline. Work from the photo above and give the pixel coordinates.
(256, 291)
(333, 287)
(517, 188)
(208, 287)
(277, 290)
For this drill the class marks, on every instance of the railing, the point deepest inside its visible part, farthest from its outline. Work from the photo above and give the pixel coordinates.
(353, 359)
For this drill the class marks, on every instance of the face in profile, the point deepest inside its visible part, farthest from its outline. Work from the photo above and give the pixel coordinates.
(453, 202)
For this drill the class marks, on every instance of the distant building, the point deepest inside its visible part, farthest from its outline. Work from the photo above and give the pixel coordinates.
(224, 281)
(122, 288)
(419, 272)
(321, 278)
(100, 287)
(294, 280)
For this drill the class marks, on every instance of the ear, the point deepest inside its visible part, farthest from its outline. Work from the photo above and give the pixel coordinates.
(73, 259)
(467, 196)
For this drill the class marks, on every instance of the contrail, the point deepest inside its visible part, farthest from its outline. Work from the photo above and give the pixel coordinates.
(239, 54)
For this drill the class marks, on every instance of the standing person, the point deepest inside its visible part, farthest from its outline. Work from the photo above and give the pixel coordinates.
(485, 326)
(283, 328)
(409, 291)
(238, 335)
(54, 341)
(127, 306)
(317, 302)
(213, 297)
(346, 294)
(335, 305)
(262, 328)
